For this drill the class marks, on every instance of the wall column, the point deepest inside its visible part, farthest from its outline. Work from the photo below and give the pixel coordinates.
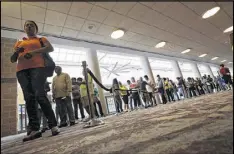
(93, 65)
(195, 70)
(176, 68)
(9, 117)
(147, 68)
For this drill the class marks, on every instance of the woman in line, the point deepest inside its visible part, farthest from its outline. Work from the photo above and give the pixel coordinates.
(124, 93)
(117, 98)
(31, 77)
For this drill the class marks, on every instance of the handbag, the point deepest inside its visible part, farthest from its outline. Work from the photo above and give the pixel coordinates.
(49, 62)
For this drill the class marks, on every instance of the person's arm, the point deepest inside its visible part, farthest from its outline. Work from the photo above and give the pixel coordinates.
(69, 83)
(47, 47)
(18, 50)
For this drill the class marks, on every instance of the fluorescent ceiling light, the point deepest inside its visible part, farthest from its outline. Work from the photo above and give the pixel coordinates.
(223, 60)
(214, 58)
(230, 62)
(228, 29)
(186, 51)
(117, 34)
(160, 45)
(203, 55)
(210, 12)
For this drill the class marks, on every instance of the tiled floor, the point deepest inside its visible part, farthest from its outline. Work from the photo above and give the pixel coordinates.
(200, 125)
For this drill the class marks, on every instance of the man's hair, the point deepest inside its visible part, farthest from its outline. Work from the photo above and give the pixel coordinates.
(146, 76)
(128, 81)
(33, 23)
(158, 75)
(73, 78)
(79, 79)
(222, 65)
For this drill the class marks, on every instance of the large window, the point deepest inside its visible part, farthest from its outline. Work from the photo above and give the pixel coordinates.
(215, 70)
(162, 67)
(118, 65)
(186, 69)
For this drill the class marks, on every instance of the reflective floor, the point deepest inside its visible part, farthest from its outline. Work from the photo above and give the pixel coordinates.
(198, 125)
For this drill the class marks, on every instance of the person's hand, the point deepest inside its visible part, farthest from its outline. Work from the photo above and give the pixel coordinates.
(28, 56)
(19, 50)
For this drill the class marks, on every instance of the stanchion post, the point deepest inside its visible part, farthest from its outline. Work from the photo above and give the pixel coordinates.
(91, 107)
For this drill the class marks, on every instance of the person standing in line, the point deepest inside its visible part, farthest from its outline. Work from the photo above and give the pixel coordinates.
(135, 95)
(124, 93)
(191, 88)
(76, 99)
(168, 87)
(174, 89)
(130, 94)
(160, 87)
(84, 96)
(200, 86)
(61, 90)
(210, 84)
(97, 101)
(150, 89)
(31, 75)
(180, 87)
(144, 92)
(117, 98)
(226, 75)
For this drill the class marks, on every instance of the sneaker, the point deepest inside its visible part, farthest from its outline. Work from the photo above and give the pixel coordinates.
(86, 120)
(72, 123)
(33, 135)
(63, 125)
(44, 130)
(55, 131)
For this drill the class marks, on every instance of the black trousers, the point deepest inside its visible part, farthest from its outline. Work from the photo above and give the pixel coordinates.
(97, 101)
(32, 83)
(170, 95)
(192, 91)
(76, 103)
(64, 109)
(125, 99)
(136, 99)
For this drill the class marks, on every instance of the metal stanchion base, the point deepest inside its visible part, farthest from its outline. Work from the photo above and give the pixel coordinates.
(93, 123)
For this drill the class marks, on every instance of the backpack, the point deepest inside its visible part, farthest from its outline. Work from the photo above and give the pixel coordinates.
(49, 63)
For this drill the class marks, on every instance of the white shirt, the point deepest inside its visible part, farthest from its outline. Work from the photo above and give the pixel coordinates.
(148, 87)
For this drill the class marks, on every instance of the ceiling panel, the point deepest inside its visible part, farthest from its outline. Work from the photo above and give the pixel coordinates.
(138, 11)
(105, 30)
(50, 29)
(148, 41)
(62, 7)
(221, 20)
(161, 6)
(123, 7)
(228, 7)
(69, 33)
(55, 18)
(98, 14)
(11, 22)
(198, 8)
(75, 23)
(34, 13)
(39, 4)
(113, 19)
(85, 36)
(106, 5)
(13, 12)
(127, 23)
(90, 26)
(80, 9)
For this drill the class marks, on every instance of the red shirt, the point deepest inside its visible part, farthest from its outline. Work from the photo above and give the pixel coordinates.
(223, 71)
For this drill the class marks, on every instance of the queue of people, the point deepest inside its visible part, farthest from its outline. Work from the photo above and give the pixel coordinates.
(34, 66)
(143, 92)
